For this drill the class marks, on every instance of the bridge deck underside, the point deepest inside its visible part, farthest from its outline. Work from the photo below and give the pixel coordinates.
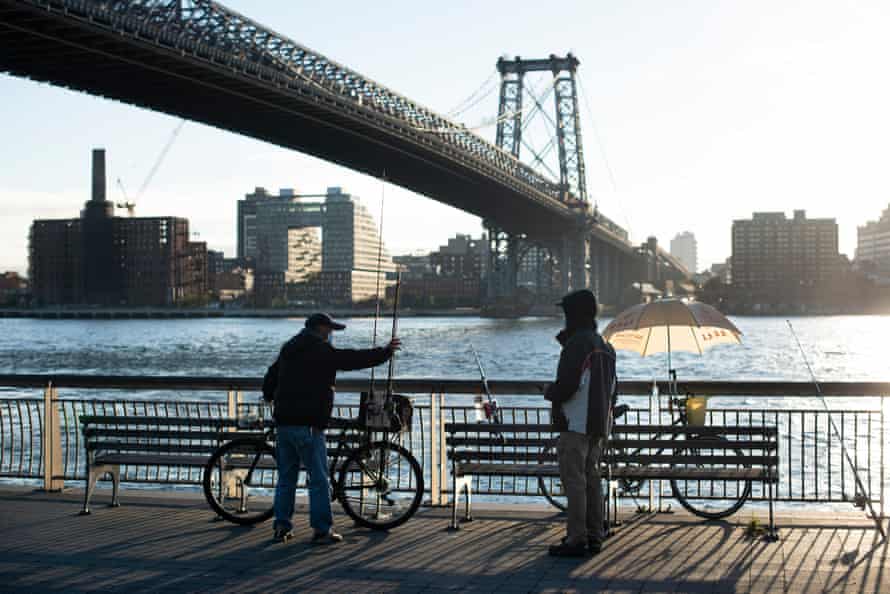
(62, 50)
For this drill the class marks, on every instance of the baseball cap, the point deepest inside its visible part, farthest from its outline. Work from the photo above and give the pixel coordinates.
(323, 319)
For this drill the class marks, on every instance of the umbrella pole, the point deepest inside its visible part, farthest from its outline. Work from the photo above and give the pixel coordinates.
(671, 391)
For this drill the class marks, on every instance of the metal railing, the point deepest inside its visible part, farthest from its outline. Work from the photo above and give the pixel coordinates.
(40, 435)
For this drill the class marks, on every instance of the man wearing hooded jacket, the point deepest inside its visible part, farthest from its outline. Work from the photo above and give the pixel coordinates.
(582, 396)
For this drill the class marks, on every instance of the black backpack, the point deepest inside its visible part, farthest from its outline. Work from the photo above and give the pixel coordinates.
(270, 382)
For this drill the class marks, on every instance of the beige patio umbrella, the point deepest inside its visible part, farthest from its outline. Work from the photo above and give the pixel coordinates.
(668, 325)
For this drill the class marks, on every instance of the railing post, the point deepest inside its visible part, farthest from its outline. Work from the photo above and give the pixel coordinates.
(883, 445)
(435, 454)
(232, 403)
(51, 446)
(443, 458)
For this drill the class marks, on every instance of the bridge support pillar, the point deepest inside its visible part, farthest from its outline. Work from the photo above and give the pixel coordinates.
(616, 278)
(605, 279)
(606, 272)
(503, 263)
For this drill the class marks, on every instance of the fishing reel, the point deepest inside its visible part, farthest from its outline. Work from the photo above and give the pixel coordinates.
(492, 412)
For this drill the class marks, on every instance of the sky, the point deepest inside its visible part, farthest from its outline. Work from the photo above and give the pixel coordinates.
(694, 113)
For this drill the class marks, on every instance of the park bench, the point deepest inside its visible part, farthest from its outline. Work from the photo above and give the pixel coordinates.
(114, 441)
(634, 452)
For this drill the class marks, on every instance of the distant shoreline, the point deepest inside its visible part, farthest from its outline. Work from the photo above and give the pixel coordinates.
(159, 313)
(198, 313)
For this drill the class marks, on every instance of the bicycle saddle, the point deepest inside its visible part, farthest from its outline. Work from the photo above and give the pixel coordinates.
(619, 411)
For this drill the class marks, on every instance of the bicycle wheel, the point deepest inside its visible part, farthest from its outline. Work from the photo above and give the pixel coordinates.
(708, 499)
(550, 486)
(239, 481)
(380, 485)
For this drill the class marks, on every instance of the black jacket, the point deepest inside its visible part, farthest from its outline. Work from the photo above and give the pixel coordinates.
(584, 350)
(307, 372)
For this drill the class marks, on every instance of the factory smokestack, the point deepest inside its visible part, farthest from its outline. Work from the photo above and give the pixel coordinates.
(98, 175)
(97, 206)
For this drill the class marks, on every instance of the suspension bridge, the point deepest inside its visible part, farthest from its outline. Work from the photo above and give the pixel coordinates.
(201, 61)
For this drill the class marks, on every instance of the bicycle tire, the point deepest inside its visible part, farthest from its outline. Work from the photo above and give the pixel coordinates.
(361, 462)
(699, 510)
(546, 484)
(241, 450)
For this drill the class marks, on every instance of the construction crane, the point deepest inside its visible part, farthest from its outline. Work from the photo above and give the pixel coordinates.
(131, 205)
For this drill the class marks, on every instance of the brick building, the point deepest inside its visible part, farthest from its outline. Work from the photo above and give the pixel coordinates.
(102, 259)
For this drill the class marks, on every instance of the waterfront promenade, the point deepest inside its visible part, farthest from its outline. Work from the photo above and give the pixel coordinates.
(167, 541)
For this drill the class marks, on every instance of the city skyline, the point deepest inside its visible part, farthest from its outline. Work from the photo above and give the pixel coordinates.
(705, 110)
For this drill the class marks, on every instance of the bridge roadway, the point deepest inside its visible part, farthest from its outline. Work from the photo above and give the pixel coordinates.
(198, 60)
(169, 542)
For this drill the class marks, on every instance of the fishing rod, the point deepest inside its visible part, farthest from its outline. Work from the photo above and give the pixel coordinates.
(378, 406)
(492, 412)
(379, 264)
(861, 499)
(395, 331)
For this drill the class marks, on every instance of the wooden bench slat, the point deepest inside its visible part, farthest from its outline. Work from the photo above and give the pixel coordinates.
(507, 469)
(628, 472)
(704, 443)
(153, 447)
(179, 460)
(695, 474)
(633, 444)
(154, 434)
(506, 428)
(183, 443)
(226, 422)
(498, 442)
(678, 460)
(709, 430)
(499, 428)
(532, 457)
(154, 420)
(464, 456)
(152, 459)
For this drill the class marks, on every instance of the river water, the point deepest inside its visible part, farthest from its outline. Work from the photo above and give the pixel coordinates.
(839, 348)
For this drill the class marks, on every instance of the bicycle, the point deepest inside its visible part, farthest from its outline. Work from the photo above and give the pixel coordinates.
(689, 494)
(377, 481)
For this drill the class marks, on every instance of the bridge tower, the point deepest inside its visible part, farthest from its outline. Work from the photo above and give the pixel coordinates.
(569, 247)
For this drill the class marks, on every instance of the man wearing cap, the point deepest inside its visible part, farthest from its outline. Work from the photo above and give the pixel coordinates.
(304, 399)
(582, 396)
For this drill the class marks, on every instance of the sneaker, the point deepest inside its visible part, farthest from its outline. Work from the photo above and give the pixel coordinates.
(594, 547)
(563, 549)
(283, 534)
(326, 538)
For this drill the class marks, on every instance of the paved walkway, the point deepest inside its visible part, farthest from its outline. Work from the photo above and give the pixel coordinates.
(170, 542)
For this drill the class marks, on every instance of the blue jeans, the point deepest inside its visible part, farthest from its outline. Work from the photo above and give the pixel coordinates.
(298, 443)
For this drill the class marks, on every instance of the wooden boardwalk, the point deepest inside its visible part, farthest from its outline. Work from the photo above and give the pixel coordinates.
(169, 542)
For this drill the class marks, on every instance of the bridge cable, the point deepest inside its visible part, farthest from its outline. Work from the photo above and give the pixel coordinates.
(603, 155)
(472, 100)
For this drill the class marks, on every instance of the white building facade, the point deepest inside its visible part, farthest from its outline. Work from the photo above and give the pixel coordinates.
(684, 247)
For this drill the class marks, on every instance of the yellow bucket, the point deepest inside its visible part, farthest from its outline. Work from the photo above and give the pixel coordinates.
(696, 410)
